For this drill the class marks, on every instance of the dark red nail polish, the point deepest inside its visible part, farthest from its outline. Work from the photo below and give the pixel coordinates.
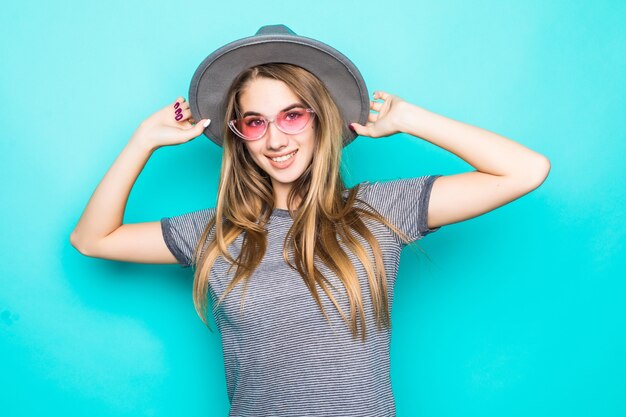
(351, 128)
(180, 116)
(176, 105)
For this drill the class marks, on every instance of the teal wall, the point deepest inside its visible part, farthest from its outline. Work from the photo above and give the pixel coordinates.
(520, 312)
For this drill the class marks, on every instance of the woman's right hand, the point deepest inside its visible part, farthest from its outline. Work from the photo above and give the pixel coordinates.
(172, 125)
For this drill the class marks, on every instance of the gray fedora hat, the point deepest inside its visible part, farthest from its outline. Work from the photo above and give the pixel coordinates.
(276, 44)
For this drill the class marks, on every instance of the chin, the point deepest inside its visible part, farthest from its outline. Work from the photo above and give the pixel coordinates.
(286, 179)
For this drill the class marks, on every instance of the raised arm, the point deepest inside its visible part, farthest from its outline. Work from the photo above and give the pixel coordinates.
(505, 170)
(100, 232)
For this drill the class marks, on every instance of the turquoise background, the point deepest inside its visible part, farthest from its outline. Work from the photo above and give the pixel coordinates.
(521, 311)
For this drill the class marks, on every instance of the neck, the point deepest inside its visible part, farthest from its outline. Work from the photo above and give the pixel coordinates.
(280, 195)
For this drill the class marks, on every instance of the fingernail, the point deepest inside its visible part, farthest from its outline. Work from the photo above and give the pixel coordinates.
(351, 127)
(176, 105)
(208, 122)
(179, 111)
(180, 116)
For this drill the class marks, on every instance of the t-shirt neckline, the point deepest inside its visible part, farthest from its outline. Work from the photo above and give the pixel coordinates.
(280, 212)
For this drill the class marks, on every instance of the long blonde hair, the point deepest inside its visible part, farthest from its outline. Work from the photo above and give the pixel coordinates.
(321, 220)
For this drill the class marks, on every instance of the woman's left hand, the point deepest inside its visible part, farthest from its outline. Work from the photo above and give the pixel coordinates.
(387, 120)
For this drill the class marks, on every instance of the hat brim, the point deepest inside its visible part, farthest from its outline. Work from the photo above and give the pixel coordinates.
(214, 76)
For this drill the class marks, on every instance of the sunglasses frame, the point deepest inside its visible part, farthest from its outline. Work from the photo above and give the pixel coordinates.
(232, 123)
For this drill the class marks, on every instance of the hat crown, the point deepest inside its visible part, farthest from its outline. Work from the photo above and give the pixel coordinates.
(275, 30)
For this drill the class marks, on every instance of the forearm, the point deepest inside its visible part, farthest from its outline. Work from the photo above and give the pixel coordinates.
(105, 210)
(486, 151)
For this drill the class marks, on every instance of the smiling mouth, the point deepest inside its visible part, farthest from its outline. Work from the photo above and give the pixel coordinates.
(284, 157)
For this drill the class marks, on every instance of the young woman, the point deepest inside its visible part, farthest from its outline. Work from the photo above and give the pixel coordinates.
(300, 269)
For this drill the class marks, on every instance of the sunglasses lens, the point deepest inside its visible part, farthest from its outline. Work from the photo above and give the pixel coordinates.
(294, 120)
(251, 127)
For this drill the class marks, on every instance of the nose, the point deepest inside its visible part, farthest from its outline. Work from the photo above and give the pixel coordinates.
(275, 139)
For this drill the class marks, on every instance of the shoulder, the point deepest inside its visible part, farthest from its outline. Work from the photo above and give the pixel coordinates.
(182, 232)
(403, 202)
(189, 223)
(386, 191)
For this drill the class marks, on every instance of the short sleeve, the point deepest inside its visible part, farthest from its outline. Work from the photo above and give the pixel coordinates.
(181, 233)
(403, 202)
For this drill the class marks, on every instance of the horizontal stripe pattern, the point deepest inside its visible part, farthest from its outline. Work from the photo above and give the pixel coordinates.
(281, 356)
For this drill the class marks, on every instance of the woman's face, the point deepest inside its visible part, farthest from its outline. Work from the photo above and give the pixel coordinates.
(268, 97)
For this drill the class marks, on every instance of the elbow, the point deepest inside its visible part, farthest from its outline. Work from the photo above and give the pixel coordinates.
(542, 170)
(538, 172)
(74, 241)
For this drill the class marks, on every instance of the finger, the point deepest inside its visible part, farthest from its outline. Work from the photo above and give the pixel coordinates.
(180, 102)
(195, 130)
(186, 114)
(362, 130)
(372, 117)
(193, 121)
(381, 95)
(185, 124)
(376, 105)
(181, 115)
(198, 125)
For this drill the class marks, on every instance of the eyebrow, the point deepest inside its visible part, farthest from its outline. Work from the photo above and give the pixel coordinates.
(289, 107)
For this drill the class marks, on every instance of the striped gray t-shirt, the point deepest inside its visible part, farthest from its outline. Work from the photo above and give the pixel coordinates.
(281, 355)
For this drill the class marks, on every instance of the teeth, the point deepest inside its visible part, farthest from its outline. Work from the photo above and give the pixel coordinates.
(284, 158)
